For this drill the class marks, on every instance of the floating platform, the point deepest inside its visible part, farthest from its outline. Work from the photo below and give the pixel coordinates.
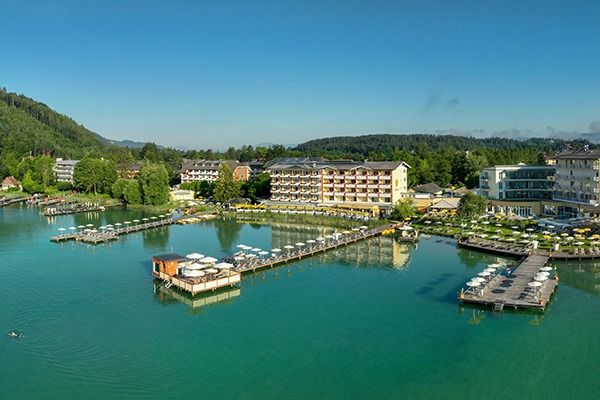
(513, 291)
(170, 269)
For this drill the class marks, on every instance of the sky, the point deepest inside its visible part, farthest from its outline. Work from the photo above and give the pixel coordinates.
(213, 74)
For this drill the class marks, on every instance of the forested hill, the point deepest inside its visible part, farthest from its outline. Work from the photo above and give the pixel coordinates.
(28, 126)
(439, 158)
(384, 145)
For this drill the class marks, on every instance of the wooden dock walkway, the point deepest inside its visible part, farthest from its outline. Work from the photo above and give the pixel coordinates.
(307, 251)
(72, 208)
(513, 250)
(107, 236)
(7, 202)
(513, 291)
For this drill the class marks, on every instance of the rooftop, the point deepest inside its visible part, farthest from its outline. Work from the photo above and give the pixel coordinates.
(169, 257)
(579, 155)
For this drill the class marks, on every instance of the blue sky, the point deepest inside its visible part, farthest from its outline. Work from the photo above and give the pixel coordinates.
(217, 73)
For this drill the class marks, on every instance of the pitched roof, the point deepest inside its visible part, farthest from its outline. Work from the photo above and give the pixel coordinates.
(446, 204)
(431, 187)
(10, 180)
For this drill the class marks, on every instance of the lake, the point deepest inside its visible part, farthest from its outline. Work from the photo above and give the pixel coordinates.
(374, 320)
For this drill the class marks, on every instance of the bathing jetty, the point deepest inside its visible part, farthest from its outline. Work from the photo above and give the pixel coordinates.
(93, 236)
(42, 201)
(7, 202)
(72, 208)
(513, 250)
(529, 286)
(244, 265)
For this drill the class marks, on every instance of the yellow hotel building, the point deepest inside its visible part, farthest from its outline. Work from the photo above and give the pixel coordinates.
(320, 181)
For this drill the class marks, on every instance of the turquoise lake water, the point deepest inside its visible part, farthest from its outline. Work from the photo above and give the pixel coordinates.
(377, 320)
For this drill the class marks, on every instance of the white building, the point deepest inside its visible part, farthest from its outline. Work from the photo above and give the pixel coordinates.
(205, 170)
(321, 181)
(64, 170)
(517, 182)
(578, 177)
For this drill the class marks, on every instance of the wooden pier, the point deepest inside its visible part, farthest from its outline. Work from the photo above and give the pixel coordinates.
(513, 250)
(308, 251)
(108, 235)
(514, 291)
(72, 208)
(6, 202)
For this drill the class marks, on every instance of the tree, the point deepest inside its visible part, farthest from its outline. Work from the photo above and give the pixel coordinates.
(472, 205)
(30, 186)
(93, 175)
(132, 193)
(226, 188)
(154, 184)
(150, 152)
(258, 187)
(404, 208)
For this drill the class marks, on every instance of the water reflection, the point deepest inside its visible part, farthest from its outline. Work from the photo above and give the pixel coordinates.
(172, 295)
(228, 232)
(584, 275)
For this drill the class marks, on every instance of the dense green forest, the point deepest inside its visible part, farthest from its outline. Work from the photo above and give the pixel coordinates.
(30, 129)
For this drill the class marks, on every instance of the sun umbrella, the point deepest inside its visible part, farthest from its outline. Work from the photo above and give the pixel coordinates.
(239, 258)
(546, 269)
(240, 246)
(529, 229)
(478, 279)
(255, 249)
(483, 273)
(287, 246)
(136, 220)
(196, 266)
(61, 229)
(534, 284)
(195, 256)
(118, 224)
(490, 270)
(193, 273)
(495, 237)
(224, 265)
(211, 270)
(310, 241)
(276, 250)
(127, 222)
(153, 218)
(89, 225)
(511, 239)
(209, 260)
(428, 222)
(473, 284)
(320, 239)
(498, 225)
(300, 244)
(161, 216)
(540, 278)
(72, 228)
(251, 256)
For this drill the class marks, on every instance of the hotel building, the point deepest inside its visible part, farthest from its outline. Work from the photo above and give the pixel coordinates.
(578, 182)
(320, 181)
(517, 182)
(64, 170)
(208, 170)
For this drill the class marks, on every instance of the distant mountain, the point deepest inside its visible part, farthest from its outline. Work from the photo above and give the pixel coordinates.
(128, 143)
